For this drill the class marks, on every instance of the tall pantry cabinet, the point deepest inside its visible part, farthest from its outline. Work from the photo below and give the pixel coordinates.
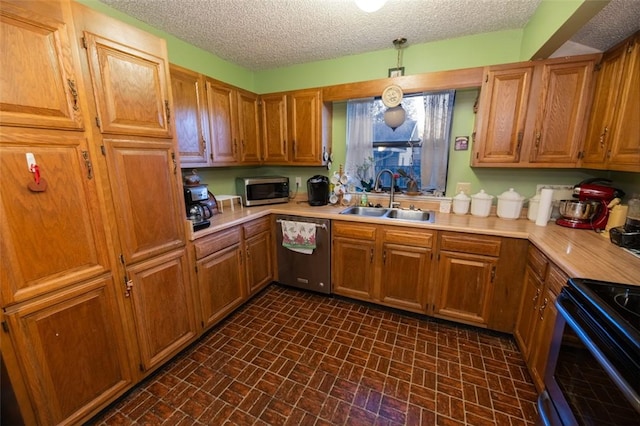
(94, 281)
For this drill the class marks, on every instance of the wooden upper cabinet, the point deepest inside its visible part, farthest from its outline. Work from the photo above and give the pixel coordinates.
(223, 127)
(130, 87)
(532, 114)
(295, 127)
(502, 114)
(305, 131)
(274, 128)
(249, 128)
(613, 136)
(190, 114)
(39, 84)
(560, 117)
(56, 237)
(148, 211)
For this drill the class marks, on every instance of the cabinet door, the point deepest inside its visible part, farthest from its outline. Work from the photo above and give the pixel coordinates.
(220, 284)
(304, 127)
(597, 140)
(353, 267)
(502, 113)
(625, 137)
(560, 118)
(56, 237)
(528, 314)
(130, 86)
(465, 287)
(190, 115)
(274, 128)
(249, 128)
(259, 261)
(38, 83)
(70, 350)
(405, 276)
(148, 211)
(162, 302)
(221, 103)
(545, 319)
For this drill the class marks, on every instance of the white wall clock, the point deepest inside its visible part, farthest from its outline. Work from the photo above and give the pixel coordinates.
(392, 96)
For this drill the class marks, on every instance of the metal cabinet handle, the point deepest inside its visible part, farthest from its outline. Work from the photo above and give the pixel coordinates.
(535, 299)
(543, 307)
(74, 93)
(371, 256)
(603, 135)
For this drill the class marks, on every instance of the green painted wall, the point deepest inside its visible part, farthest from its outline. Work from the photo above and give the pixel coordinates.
(478, 50)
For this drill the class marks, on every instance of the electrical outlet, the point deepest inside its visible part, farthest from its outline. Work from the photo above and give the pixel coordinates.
(464, 187)
(298, 181)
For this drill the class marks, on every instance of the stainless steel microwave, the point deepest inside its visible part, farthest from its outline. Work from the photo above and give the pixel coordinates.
(258, 191)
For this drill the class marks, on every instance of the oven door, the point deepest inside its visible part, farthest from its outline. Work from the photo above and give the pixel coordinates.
(587, 373)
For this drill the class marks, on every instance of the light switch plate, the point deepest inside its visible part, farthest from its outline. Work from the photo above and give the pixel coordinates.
(464, 187)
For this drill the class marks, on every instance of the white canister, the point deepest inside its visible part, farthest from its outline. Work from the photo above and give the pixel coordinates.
(509, 204)
(532, 211)
(461, 203)
(481, 204)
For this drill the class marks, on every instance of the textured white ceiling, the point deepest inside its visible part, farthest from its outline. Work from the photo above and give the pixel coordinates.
(266, 34)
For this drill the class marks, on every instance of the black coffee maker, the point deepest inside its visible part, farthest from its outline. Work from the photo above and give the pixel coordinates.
(195, 200)
(318, 190)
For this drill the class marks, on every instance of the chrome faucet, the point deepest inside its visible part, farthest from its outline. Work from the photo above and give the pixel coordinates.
(393, 184)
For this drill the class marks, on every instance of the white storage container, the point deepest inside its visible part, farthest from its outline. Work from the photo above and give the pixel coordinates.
(481, 204)
(509, 204)
(461, 203)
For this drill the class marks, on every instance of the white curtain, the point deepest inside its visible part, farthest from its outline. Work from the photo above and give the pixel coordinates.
(434, 154)
(359, 137)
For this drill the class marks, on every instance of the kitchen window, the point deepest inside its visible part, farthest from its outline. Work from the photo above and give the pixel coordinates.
(417, 149)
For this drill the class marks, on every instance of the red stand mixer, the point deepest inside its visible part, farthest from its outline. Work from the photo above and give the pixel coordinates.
(591, 209)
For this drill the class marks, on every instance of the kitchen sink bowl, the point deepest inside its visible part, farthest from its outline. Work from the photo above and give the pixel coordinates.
(365, 211)
(422, 216)
(394, 214)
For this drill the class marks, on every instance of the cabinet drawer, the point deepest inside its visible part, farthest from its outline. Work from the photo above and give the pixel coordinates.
(214, 242)
(363, 232)
(256, 226)
(467, 243)
(537, 261)
(411, 238)
(556, 279)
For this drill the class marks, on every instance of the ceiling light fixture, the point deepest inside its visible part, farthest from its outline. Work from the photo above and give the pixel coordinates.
(392, 95)
(370, 6)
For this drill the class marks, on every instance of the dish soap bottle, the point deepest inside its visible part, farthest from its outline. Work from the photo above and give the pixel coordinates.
(364, 200)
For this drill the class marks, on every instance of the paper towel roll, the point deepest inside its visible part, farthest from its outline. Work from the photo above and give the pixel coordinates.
(544, 208)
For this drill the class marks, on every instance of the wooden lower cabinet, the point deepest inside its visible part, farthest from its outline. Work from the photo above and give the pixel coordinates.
(259, 251)
(352, 258)
(387, 265)
(220, 275)
(536, 320)
(406, 268)
(545, 322)
(465, 287)
(71, 351)
(162, 302)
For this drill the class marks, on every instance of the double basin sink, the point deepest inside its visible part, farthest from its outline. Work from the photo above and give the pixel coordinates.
(388, 213)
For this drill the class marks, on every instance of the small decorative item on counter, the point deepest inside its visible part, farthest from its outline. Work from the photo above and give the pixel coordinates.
(509, 204)
(192, 179)
(412, 182)
(481, 204)
(461, 203)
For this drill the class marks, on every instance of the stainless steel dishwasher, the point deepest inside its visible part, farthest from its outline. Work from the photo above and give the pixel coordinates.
(306, 271)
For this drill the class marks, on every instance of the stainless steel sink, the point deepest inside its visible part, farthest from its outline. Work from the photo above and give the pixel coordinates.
(365, 211)
(395, 214)
(422, 216)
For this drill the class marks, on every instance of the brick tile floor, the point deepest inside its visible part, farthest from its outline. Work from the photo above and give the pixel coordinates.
(296, 358)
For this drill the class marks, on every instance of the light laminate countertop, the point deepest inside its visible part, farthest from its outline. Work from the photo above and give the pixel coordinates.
(580, 253)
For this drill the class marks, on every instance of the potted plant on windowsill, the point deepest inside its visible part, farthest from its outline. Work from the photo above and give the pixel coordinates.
(412, 182)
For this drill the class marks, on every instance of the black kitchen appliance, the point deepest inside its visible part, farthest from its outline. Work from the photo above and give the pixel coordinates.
(628, 235)
(593, 369)
(318, 190)
(197, 206)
